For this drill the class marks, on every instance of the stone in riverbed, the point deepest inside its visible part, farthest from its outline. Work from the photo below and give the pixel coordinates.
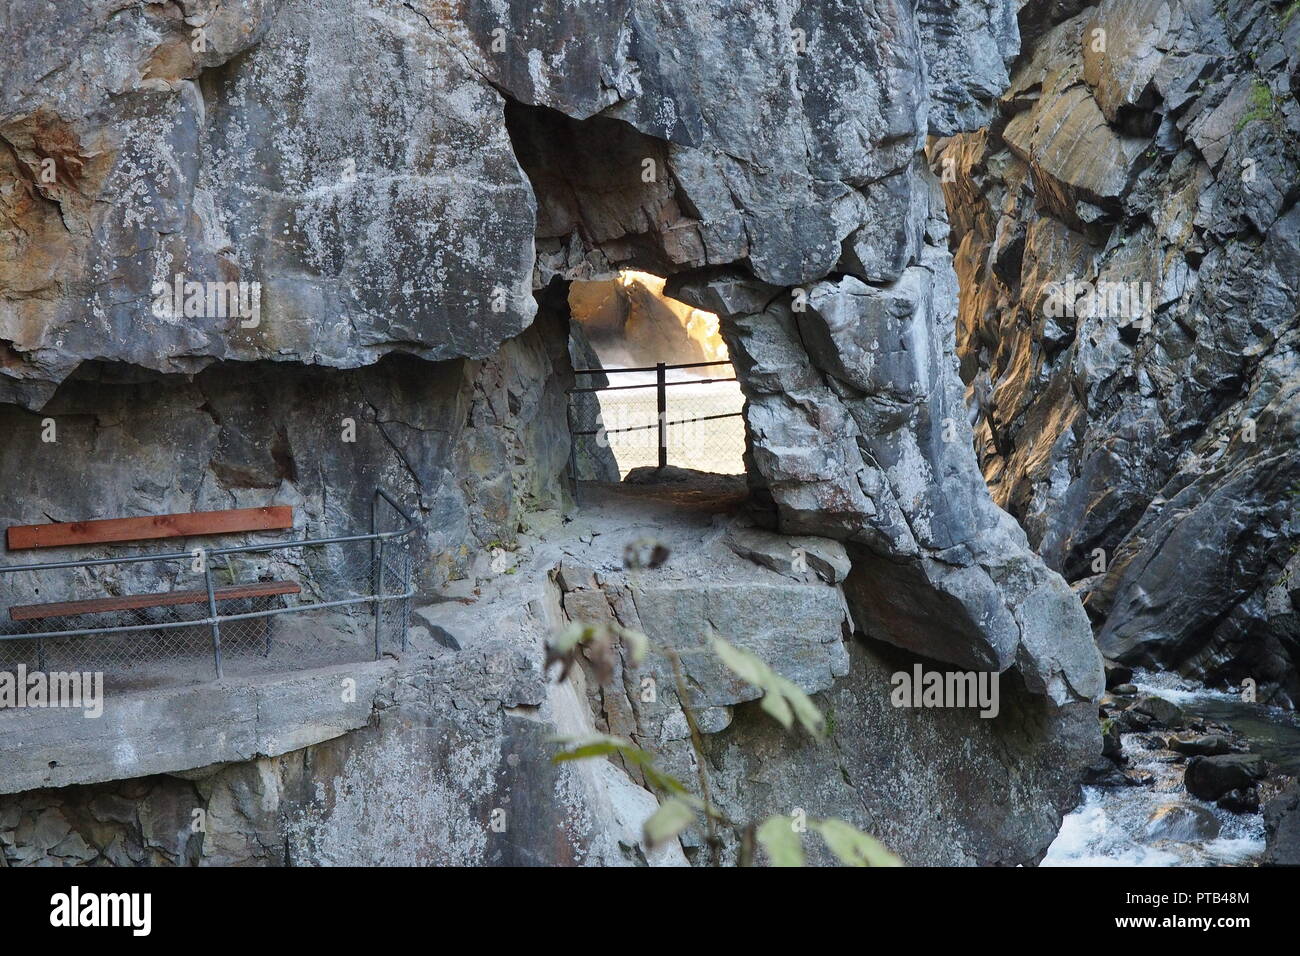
(1212, 777)
(1159, 710)
(1182, 822)
(1111, 745)
(1242, 800)
(1132, 721)
(1282, 828)
(1118, 675)
(1210, 745)
(1106, 774)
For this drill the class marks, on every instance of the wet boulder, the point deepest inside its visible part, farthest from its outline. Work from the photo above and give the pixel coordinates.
(1241, 800)
(1282, 828)
(1212, 777)
(1161, 711)
(1208, 745)
(1111, 745)
(1117, 675)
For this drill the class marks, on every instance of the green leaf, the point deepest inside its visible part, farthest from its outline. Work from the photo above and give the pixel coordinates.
(603, 745)
(672, 817)
(748, 667)
(584, 748)
(778, 708)
(810, 717)
(781, 698)
(667, 783)
(573, 635)
(780, 841)
(852, 846)
(637, 644)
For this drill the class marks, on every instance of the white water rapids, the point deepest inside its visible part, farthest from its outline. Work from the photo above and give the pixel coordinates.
(1161, 824)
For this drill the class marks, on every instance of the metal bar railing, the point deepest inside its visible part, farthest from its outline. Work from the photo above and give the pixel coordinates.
(646, 428)
(645, 368)
(661, 424)
(661, 403)
(215, 618)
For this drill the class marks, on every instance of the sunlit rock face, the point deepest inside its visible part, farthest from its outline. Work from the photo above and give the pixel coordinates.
(632, 323)
(1149, 453)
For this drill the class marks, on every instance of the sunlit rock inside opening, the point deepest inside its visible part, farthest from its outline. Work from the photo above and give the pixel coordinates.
(625, 327)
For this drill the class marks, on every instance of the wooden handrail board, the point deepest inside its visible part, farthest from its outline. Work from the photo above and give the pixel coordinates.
(33, 612)
(114, 530)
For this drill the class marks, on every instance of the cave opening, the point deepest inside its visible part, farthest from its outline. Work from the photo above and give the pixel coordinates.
(655, 392)
(655, 396)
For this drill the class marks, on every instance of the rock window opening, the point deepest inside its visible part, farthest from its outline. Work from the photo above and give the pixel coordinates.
(623, 329)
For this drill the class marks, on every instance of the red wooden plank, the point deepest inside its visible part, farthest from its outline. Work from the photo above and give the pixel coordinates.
(112, 530)
(33, 612)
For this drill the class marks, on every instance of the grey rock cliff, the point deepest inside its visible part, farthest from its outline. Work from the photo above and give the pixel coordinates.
(1150, 455)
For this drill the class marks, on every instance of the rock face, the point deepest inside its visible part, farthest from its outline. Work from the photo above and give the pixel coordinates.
(454, 768)
(1282, 828)
(246, 163)
(857, 431)
(405, 191)
(1145, 436)
(448, 756)
(448, 438)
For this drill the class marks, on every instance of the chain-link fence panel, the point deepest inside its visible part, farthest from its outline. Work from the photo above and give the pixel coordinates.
(146, 621)
(706, 428)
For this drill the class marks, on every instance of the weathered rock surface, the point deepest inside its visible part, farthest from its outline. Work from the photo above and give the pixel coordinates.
(1282, 828)
(450, 759)
(250, 162)
(421, 179)
(878, 758)
(857, 431)
(1150, 454)
(353, 159)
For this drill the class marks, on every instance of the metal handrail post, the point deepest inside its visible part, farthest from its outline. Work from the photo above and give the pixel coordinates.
(377, 577)
(408, 567)
(573, 452)
(379, 598)
(661, 390)
(212, 614)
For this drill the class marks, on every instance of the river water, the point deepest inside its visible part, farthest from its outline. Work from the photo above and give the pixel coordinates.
(1162, 824)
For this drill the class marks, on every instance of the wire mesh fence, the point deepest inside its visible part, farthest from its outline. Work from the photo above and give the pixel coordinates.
(689, 416)
(153, 620)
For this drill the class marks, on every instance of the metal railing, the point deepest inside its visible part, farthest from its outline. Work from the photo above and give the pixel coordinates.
(690, 429)
(337, 577)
